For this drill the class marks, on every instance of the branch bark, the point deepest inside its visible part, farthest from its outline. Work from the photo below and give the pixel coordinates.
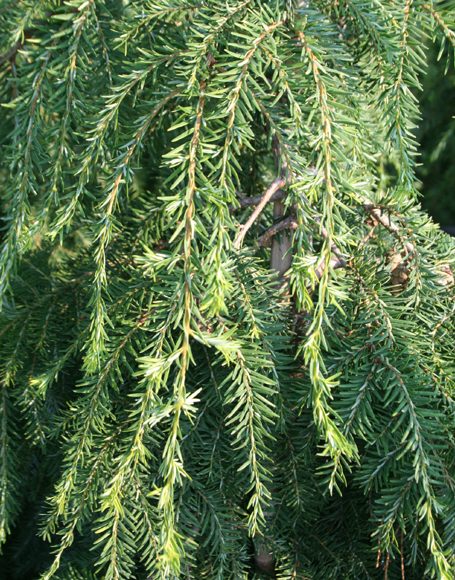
(281, 254)
(255, 200)
(288, 223)
(335, 264)
(385, 220)
(274, 187)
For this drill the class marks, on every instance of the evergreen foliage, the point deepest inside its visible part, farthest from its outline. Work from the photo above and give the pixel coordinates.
(194, 382)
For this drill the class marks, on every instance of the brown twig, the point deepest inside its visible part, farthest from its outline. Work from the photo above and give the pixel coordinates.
(276, 193)
(386, 567)
(274, 187)
(255, 200)
(448, 33)
(9, 54)
(403, 577)
(364, 241)
(385, 220)
(289, 223)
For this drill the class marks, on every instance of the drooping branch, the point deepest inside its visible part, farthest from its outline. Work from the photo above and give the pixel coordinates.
(439, 21)
(237, 90)
(337, 259)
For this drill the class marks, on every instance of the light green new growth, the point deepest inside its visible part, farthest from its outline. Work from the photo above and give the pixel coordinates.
(173, 405)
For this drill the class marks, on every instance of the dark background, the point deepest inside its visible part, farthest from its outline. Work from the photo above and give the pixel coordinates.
(437, 138)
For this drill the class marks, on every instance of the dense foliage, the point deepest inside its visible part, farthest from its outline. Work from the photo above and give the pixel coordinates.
(195, 382)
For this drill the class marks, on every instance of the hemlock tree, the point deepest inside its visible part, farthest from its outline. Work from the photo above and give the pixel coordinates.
(227, 341)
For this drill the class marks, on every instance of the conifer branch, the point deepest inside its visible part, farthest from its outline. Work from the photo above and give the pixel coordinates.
(336, 443)
(70, 77)
(402, 101)
(23, 187)
(98, 134)
(235, 96)
(88, 417)
(171, 469)
(80, 512)
(212, 35)
(6, 465)
(439, 20)
(104, 235)
(156, 12)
